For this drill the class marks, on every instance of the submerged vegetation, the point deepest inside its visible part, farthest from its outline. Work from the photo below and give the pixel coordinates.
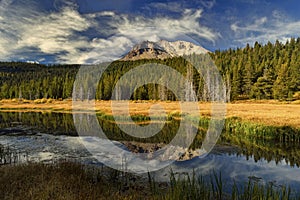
(68, 180)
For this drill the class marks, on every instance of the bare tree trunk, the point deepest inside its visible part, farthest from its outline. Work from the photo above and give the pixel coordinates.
(189, 89)
(118, 93)
(228, 87)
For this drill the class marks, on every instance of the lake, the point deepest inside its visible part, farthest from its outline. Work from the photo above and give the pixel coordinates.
(49, 137)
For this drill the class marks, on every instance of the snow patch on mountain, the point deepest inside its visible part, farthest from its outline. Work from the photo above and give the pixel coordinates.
(180, 48)
(163, 49)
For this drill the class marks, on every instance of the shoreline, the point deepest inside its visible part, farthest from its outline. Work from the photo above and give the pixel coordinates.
(267, 112)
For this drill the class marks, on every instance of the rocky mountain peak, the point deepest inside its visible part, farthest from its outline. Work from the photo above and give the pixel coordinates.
(163, 49)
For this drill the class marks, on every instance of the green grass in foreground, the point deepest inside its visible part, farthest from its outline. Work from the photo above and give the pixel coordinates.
(69, 180)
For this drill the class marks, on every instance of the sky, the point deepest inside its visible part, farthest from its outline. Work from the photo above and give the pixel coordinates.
(95, 31)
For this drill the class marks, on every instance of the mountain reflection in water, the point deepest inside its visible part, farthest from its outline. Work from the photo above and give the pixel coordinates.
(49, 136)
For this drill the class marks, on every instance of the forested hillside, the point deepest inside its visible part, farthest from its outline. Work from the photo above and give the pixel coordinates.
(34, 81)
(270, 71)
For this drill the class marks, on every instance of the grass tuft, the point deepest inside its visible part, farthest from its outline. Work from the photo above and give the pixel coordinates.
(69, 180)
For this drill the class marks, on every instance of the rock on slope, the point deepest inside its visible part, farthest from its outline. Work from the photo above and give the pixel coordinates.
(163, 49)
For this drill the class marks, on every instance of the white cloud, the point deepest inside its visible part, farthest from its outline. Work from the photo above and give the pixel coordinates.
(106, 13)
(208, 3)
(140, 28)
(132, 30)
(265, 29)
(25, 31)
(178, 6)
(53, 33)
(104, 50)
(256, 26)
(171, 6)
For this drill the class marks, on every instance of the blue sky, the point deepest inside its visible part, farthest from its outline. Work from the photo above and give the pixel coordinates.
(93, 31)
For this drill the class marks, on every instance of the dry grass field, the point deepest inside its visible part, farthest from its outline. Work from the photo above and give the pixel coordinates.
(265, 112)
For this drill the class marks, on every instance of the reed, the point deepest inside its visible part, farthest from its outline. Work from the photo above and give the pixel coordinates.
(250, 130)
(198, 188)
(69, 180)
(9, 155)
(260, 131)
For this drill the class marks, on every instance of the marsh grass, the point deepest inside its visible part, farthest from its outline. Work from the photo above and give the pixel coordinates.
(139, 117)
(272, 113)
(69, 180)
(61, 181)
(250, 130)
(11, 156)
(194, 188)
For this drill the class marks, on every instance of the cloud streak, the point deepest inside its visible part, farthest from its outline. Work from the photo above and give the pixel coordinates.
(164, 27)
(26, 31)
(266, 29)
(129, 30)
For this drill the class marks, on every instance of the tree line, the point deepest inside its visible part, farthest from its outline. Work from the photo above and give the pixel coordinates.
(270, 71)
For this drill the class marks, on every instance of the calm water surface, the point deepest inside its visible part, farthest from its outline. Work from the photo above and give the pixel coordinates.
(47, 137)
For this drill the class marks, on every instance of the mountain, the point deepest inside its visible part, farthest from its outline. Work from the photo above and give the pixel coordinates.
(162, 49)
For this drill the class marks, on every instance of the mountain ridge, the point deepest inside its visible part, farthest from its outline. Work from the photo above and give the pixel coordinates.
(163, 49)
